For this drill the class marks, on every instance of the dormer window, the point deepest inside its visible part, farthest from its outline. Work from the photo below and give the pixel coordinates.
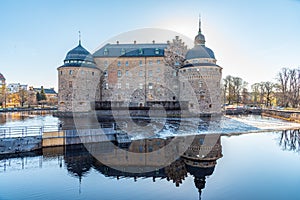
(123, 51)
(105, 52)
(156, 51)
(141, 51)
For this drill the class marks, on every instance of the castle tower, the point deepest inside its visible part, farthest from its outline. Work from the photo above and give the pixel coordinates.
(78, 81)
(201, 73)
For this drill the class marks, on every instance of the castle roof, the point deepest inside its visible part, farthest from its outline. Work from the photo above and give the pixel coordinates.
(79, 57)
(2, 77)
(131, 50)
(200, 50)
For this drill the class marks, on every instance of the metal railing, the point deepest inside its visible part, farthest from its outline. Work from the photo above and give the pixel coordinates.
(25, 131)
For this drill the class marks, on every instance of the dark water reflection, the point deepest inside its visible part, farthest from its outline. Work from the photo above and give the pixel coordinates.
(253, 166)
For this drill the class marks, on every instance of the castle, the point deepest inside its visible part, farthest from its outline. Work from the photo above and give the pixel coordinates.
(137, 75)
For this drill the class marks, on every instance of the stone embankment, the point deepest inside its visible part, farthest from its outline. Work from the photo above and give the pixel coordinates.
(18, 145)
(290, 115)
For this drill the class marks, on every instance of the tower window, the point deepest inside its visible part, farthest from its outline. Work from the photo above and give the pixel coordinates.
(200, 84)
(141, 63)
(158, 70)
(158, 62)
(119, 73)
(105, 73)
(150, 62)
(93, 73)
(141, 85)
(119, 85)
(127, 63)
(150, 73)
(71, 72)
(126, 73)
(119, 63)
(105, 63)
(61, 73)
(106, 86)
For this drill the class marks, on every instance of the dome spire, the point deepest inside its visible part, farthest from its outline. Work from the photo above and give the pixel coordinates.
(199, 39)
(199, 23)
(79, 37)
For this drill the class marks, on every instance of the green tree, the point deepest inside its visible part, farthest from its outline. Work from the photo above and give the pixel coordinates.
(43, 95)
(38, 97)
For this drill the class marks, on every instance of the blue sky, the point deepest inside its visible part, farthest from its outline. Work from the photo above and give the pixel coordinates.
(251, 39)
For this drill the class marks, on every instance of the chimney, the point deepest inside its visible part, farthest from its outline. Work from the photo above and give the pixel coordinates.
(153, 41)
(134, 42)
(117, 42)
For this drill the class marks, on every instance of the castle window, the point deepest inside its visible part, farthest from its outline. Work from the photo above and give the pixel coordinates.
(119, 63)
(158, 62)
(126, 73)
(119, 85)
(141, 73)
(127, 63)
(158, 70)
(71, 72)
(141, 51)
(141, 63)
(150, 62)
(61, 73)
(106, 86)
(191, 105)
(150, 86)
(200, 84)
(150, 73)
(70, 84)
(105, 73)
(93, 73)
(174, 73)
(123, 51)
(119, 73)
(210, 105)
(141, 85)
(105, 52)
(82, 72)
(156, 51)
(105, 63)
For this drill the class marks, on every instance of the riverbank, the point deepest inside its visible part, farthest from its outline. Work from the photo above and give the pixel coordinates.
(4, 110)
(288, 115)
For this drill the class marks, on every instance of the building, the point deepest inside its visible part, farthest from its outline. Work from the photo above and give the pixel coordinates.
(141, 75)
(16, 87)
(2, 80)
(2, 90)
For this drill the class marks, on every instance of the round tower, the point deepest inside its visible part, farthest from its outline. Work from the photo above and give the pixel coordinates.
(78, 81)
(203, 75)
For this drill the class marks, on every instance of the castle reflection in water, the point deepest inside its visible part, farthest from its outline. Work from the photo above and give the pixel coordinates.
(199, 159)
